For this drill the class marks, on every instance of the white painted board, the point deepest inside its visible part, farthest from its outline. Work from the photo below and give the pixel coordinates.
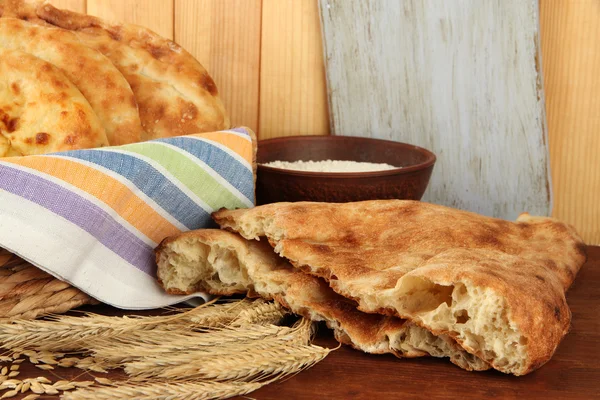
(461, 78)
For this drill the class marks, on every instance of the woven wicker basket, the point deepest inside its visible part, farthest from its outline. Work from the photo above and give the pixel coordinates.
(27, 292)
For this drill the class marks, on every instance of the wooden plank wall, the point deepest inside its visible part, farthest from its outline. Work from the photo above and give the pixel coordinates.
(266, 57)
(571, 66)
(423, 72)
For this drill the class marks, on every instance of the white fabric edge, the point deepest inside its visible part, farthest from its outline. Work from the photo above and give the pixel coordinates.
(58, 251)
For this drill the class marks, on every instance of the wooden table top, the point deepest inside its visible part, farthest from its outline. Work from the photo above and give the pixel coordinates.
(573, 372)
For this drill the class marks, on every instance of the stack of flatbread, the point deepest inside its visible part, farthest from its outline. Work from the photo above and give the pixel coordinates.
(72, 81)
(394, 276)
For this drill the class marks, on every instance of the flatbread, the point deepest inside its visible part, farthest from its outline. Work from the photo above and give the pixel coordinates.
(174, 93)
(41, 111)
(93, 74)
(495, 286)
(223, 263)
(21, 9)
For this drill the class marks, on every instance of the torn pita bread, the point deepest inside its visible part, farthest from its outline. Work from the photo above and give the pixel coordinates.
(173, 91)
(93, 74)
(495, 286)
(41, 111)
(223, 263)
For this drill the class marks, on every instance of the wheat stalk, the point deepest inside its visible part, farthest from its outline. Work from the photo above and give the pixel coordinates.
(224, 339)
(65, 333)
(214, 351)
(26, 291)
(265, 313)
(225, 313)
(254, 363)
(211, 335)
(163, 390)
(229, 340)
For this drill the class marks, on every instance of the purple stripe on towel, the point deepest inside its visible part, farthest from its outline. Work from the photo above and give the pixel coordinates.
(85, 214)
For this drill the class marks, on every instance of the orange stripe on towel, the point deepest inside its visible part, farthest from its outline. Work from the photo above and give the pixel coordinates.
(106, 189)
(235, 143)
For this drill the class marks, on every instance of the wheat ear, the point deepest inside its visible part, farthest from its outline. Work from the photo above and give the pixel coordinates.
(215, 351)
(161, 390)
(66, 333)
(259, 363)
(223, 339)
(265, 313)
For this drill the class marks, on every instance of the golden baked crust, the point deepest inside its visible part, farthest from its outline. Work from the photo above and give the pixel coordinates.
(21, 9)
(224, 263)
(380, 253)
(41, 111)
(174, 93)
(95, 76)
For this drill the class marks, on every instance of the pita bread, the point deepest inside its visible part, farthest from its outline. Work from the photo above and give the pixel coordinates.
(41, 111)
(174, 93)
(21, 9)
(495, 286)
(223, 263)
(93, 74)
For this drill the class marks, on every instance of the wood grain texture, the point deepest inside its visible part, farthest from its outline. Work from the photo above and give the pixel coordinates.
(156, 15)
(224, 36)
(73, 5)
(293, 98)
(571, 61)
(349, 374)
(462, 81)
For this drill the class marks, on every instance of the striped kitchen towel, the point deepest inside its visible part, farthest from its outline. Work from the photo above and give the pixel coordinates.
(93, 217)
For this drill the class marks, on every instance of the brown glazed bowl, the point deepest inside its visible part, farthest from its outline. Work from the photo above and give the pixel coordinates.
(275, 184)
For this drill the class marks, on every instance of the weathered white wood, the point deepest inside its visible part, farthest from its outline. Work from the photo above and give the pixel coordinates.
(461, 78)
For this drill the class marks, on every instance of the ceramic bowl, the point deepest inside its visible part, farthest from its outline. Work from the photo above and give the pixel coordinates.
(409, 181)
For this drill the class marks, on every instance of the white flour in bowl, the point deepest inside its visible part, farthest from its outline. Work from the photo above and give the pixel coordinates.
(330, 166)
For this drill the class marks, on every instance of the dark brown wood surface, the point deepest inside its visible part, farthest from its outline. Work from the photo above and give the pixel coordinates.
(573, 372)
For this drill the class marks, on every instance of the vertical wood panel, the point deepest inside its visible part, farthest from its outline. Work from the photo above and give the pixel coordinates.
(224, 35)
(156, 15)
(73, 5)
(461, 81)
(571, 62)
(293, 96)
